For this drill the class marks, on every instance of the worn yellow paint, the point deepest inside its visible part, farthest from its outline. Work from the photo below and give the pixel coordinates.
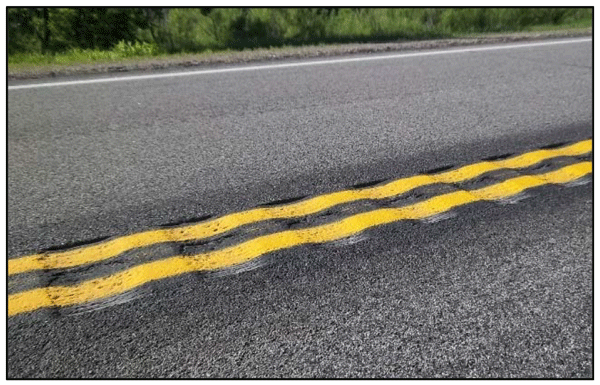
(112, 248)
(123, 281)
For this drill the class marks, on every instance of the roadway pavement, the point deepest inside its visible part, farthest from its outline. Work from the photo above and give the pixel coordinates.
(497, 291)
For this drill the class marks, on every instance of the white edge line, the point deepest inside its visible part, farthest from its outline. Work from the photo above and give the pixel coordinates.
(296, 64)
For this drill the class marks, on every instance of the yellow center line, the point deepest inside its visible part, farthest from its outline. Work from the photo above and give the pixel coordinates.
(113, 247)
(131, 278)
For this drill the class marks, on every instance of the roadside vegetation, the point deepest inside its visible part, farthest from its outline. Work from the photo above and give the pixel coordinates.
(71, 36)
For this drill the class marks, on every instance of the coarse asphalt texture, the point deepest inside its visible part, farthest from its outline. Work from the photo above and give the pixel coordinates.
(497, 291)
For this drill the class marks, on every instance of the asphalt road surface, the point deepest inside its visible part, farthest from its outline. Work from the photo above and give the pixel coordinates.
(497, 290)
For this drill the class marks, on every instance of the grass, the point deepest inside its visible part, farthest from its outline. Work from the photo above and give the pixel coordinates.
(553, 27)
(79, 56)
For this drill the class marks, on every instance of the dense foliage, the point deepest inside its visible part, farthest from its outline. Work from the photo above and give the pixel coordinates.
(154, 30)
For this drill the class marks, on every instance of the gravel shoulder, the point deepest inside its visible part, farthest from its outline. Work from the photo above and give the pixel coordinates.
(272, 54)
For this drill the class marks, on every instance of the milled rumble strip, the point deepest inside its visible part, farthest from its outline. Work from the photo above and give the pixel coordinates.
(107, 286)
(113, 247)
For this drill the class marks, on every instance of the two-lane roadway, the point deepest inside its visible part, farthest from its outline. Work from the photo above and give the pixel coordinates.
(499, 288)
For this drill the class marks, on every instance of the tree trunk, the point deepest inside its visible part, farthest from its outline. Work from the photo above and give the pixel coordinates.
(46, 31)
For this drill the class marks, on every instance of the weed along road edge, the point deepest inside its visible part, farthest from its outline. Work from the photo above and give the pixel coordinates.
(413, 215)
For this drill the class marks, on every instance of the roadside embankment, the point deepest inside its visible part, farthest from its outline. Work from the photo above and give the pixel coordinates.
(269, 54)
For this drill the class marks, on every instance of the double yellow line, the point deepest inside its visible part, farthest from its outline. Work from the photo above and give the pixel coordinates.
(117, 283)
(114, 247)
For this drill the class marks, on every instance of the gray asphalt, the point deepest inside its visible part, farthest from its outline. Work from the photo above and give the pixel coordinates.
(497, 291)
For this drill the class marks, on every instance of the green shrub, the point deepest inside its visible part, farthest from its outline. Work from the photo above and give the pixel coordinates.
(84, 34)
(126, 49)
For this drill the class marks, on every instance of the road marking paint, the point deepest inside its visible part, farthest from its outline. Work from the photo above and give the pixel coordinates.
(113, 247)
(107, 286)
(296, 64)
